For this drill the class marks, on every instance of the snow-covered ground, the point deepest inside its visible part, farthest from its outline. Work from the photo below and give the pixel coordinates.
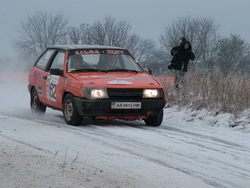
(190, 149)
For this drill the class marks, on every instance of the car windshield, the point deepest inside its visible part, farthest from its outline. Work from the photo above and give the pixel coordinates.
(102, 60)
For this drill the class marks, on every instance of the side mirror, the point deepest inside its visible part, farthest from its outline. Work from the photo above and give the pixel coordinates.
(149, 71)
(58, 72)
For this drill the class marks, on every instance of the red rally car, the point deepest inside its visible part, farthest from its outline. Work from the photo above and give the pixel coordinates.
(102, 82)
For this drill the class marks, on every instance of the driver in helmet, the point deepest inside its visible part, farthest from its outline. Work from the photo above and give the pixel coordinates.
(111, 62)
(77, 63)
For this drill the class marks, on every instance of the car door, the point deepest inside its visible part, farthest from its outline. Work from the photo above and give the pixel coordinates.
(54, 82)
(39, 73)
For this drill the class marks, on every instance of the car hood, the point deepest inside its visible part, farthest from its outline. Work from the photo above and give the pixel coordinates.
(114, 79)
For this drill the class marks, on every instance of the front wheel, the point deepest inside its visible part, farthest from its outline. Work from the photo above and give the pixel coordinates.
(154, 121)
(70, 112)
(35, 104)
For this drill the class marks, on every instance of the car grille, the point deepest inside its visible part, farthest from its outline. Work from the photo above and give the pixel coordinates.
(125, 93)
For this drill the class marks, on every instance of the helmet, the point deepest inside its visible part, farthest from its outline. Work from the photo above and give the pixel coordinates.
(76, 61)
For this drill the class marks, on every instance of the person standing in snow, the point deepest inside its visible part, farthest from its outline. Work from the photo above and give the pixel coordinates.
(179, 63)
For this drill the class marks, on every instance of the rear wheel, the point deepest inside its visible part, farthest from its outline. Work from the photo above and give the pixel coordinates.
(154, 121)
(70, 112)
(35, 104)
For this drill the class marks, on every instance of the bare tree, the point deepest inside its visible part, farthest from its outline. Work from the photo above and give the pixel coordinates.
(133, 43)
(74, 36)
(81, 35)
(116, 33)
(232, 53)
(112, 33)
(98, 33)
(39, 31)
(109, 32)
(141, 48)
(205, 40)
(245, 65)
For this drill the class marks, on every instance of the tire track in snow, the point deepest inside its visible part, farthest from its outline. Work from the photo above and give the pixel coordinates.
(103, 134)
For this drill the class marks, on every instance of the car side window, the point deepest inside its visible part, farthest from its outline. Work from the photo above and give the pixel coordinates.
(43, 60)
(58, 61)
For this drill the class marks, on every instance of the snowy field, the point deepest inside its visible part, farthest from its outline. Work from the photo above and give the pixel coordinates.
(190, 149)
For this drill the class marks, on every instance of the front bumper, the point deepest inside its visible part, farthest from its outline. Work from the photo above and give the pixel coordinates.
(95, 108)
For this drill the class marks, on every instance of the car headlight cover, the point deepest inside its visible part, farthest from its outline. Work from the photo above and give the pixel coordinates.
(96, 93)
(151, 93)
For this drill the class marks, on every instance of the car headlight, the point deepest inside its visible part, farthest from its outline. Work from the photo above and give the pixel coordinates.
(151, 93)
(96, 93)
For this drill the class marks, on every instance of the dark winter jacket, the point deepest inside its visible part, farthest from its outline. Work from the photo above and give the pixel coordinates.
(181, 57)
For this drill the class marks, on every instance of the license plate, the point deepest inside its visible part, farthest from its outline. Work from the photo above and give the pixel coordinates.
(125, 105)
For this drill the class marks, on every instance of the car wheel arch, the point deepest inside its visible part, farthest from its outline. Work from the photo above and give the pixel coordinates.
(71, 115)
(35, 102)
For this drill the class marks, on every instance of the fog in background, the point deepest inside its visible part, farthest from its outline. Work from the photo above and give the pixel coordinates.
(148, 18)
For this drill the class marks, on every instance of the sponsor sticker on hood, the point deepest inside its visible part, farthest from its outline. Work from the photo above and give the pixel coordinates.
(119, 82)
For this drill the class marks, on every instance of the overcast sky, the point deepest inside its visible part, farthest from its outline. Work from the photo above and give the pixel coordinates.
(148, 18)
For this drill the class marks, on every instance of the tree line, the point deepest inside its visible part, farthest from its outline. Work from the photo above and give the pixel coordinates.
(228, 54)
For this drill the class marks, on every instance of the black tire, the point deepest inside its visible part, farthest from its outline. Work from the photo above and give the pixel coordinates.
(154, 121)
(35, 104)
(70, 112)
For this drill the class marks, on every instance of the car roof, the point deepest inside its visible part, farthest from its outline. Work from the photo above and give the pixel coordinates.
(75, 47)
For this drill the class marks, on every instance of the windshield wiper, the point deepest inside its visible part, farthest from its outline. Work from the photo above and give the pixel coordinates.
(88, 70)
(122, 70)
